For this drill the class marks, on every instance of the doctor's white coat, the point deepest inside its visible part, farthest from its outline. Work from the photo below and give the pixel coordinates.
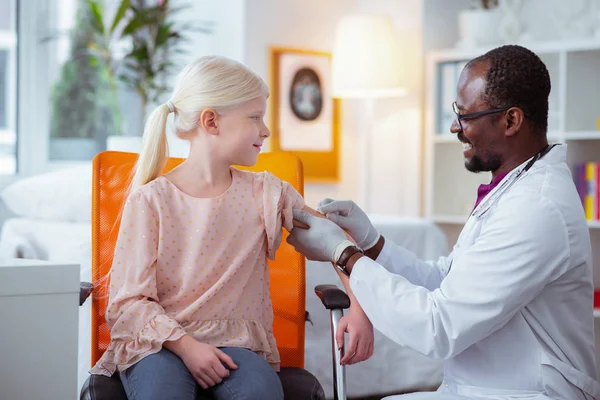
(510, 309)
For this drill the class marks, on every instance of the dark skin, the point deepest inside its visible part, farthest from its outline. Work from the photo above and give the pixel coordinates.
(500, 142)
(372, 253)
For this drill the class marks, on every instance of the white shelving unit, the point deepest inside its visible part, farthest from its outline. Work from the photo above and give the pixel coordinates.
(574, 109)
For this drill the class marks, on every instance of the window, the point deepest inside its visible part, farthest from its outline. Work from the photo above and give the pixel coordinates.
(75, 128)
(8, 87)
(48, 111)
(65, 115)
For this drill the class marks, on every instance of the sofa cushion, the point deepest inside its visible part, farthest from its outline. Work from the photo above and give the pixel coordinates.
(62, 195)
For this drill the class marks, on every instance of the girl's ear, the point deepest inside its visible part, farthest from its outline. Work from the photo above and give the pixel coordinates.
(209, 120)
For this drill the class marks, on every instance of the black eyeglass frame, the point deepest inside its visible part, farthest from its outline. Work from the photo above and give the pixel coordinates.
(474, 115)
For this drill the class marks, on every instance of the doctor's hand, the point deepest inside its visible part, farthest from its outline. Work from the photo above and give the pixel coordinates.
(321, 241)
(349, 216)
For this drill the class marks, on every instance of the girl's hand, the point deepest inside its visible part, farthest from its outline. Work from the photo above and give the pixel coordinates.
(361, 342)
(207, 364)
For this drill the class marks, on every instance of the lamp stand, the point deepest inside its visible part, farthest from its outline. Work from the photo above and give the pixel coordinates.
(366, 147)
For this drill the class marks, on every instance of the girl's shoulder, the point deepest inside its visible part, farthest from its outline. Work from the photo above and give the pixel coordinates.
(259, 180)
(149, 193)
(152, 189)
(252, 176)
(245, 174)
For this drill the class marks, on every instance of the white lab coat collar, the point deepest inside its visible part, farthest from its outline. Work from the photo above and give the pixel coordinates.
(556, 155)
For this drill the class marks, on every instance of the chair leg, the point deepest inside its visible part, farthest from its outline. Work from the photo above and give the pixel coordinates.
(339, 371)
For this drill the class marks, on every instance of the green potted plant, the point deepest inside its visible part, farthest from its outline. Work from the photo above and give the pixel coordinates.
(149, 39)
(83, 101)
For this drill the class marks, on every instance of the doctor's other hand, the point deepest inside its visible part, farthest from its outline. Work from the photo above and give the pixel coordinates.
(355, 221)
(322, 241)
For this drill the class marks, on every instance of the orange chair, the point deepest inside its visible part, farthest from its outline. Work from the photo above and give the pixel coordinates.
(112, 172)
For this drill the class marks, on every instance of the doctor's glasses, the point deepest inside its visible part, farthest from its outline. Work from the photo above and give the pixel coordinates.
(473, 115)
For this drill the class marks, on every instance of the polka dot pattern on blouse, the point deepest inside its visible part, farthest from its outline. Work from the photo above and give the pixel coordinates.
(197, 266)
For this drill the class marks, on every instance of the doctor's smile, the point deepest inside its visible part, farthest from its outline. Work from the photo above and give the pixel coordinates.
(467, 146)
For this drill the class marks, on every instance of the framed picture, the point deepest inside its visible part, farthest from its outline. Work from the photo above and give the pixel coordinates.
(304, 118)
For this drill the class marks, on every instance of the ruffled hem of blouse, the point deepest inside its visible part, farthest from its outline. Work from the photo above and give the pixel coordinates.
(248, 334)
(122, 354)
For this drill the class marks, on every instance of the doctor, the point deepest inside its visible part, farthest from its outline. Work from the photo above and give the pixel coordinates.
(510, 309)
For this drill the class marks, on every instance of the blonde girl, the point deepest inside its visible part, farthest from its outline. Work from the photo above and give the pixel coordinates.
(189, 306)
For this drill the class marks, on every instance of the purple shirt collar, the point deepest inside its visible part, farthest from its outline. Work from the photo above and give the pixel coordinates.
(483, 190)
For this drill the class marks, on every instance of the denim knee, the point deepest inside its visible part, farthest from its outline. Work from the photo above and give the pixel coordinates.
(160, 376)
(254, 379)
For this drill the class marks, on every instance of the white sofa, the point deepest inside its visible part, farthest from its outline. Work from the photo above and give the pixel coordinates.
(49, 219)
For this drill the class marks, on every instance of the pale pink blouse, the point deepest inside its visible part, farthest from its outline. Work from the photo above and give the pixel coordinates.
(198, 266)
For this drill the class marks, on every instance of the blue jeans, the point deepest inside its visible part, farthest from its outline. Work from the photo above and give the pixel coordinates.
(164, 376)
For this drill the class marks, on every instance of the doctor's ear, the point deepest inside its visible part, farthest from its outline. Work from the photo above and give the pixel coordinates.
(515, 118)
(209, 120)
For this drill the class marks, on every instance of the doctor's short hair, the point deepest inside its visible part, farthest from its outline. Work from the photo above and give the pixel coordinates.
(517, 77)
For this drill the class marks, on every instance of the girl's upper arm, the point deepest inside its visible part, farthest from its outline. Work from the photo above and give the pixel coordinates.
(318, 214)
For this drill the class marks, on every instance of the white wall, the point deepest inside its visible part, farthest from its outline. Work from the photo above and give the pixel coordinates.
(396, 140)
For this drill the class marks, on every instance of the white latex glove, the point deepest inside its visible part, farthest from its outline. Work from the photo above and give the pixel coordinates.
(349, 216)
(322, 241)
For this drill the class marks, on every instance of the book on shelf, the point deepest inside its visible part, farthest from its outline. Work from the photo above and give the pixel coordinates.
(448, 75)
(587, 181)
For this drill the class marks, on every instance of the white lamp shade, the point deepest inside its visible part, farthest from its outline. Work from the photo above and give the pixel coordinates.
(365, 58)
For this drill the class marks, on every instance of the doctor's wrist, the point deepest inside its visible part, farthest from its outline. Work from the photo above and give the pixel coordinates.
(374, 251)
(352, 260)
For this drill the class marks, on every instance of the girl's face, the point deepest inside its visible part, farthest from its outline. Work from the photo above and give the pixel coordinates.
(242, 131)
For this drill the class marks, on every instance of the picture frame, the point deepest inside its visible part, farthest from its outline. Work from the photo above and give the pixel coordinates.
(304, 117)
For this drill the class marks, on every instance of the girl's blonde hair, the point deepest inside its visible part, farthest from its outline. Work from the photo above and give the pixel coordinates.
(209, 82)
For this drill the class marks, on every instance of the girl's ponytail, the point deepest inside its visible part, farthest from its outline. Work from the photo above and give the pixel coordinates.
(154, 153)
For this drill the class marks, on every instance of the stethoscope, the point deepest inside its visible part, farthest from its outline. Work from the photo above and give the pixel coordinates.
(507, 182)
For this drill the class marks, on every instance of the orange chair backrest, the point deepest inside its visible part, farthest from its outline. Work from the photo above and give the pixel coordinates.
(112, 173)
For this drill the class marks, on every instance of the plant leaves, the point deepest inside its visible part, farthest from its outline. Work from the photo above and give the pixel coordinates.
(138, 21)
(97, 22)
(120, 14)
(140, 53)
(163, 34)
